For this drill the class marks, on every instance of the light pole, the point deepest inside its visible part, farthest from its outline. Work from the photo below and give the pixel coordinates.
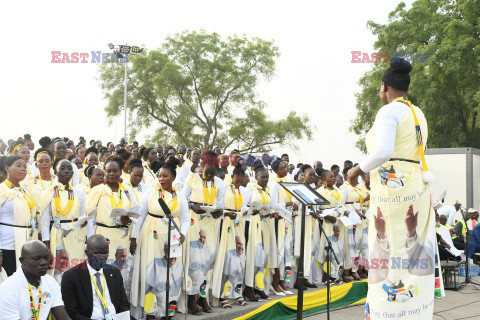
(122, 52)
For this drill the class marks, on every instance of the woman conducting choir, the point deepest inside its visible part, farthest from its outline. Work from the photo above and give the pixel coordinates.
(105, 198)
(403, 224)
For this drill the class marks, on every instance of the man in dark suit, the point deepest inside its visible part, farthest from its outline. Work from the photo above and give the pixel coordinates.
(93, 289)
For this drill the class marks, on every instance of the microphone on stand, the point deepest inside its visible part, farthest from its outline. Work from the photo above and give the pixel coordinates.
(168, 214)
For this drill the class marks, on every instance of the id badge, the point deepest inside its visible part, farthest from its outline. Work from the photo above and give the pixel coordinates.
(108, 316)
(33, 223)
(56, 222)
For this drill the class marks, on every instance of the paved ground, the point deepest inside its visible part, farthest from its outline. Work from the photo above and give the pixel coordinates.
(457, 305)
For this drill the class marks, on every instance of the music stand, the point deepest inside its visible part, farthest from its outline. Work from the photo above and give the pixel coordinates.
(308, 197)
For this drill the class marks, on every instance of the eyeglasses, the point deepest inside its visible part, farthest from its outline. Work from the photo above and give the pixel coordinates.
(99, 255)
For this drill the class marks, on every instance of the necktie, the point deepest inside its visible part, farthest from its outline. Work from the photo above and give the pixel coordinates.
(98, 276)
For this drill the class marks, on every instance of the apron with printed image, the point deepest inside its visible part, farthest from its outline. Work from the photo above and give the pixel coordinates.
(401, 276)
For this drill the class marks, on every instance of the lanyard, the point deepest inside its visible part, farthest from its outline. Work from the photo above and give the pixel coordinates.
(418, 133)
(102, 297)
(149, 170)
(31, 203)
(358, 191)
(35, 311)
(71, 200)
(41, 181)
(133, 189)
(267, 199)
(237, 199)
(120, 203)
(334, 193)
(209, 194)
(289, 195)
(172, 204)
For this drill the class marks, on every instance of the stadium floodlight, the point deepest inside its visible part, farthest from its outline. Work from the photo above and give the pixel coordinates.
(136, 49)
(122, 52)
(125, 49)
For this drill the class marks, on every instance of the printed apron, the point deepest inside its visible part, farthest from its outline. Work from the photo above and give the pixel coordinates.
(401, 275)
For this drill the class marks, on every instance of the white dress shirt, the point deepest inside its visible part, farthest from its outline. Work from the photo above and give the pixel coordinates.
(97, 313)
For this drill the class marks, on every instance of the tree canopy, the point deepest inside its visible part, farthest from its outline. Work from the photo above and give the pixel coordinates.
(200, 89)
(445, 82)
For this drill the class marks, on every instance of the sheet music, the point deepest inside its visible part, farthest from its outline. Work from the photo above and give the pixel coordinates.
(121, 316)
(208, 209)
(120, 212)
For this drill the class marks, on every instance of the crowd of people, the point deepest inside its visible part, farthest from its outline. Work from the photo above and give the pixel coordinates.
(237, 237)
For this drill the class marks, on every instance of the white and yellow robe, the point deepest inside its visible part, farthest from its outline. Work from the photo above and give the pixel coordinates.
(149, 176)
(259, 240)
(209, 194)
(398, 187)
(35, 189)
(102, 198)
(61, 233)
(354, 197)
(24, 225)
(284, 229)
(151, 232)
(337, 209)
(234, 202)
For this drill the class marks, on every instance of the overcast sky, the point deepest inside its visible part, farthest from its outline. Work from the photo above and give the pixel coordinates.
(314, 72)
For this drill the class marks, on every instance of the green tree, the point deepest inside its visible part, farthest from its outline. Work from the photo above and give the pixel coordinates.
(442, 40)
(199, 89)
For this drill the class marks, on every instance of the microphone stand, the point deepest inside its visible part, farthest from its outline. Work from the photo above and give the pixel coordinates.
(296, 190)
(168, 213)
(329, 250)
